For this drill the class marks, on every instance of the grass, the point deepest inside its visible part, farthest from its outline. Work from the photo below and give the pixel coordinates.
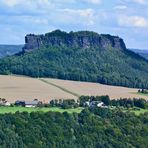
(140, 111)
(136, 110)
(142, 94)
(138, 93)
(4, 109)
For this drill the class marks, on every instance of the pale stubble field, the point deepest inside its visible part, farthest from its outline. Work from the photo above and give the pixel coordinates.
(15, 88)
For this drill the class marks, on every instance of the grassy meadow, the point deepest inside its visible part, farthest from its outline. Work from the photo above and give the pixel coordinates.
(6, 109)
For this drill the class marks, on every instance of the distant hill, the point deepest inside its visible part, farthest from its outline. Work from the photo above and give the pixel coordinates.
(7, 50)
(81, 56)
(143, 53)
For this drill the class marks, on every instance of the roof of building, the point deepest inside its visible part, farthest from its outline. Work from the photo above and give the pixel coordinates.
(31, 102)
(19, 101)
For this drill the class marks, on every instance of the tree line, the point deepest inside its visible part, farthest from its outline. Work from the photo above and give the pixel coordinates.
(81, 102)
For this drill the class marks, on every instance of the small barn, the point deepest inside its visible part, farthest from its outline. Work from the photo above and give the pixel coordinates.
(97, 104)
(31, 103)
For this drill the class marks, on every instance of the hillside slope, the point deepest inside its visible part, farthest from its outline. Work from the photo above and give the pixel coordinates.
(7, 50)
(143, 53)
(85, 56)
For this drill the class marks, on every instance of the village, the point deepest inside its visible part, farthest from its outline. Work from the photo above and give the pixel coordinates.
(136, 105)
(69, 103)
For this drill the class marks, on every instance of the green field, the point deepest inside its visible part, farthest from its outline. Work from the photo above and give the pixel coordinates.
(141, 111)
(4, 109)
(142, 94)
(137, 111)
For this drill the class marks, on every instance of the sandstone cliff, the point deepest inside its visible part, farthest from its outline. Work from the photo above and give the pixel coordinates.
(81, 39)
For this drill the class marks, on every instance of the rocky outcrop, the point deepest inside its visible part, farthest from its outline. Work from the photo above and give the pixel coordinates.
(81, 39)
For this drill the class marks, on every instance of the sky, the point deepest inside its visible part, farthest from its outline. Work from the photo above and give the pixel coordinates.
(125, 18)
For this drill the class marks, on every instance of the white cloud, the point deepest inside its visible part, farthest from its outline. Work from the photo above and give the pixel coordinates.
(27, 3)
(140, 1)
(41, 21)
(137, 1)
(86, 15)
(120, 7)
(11, 3)
(93, 1)
(133, 21)
(27, 7)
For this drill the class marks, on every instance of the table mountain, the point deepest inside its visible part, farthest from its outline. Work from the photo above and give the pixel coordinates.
(81, 39)
(81, 56)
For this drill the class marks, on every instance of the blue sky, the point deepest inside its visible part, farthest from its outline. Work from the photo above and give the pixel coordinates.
(125, 18)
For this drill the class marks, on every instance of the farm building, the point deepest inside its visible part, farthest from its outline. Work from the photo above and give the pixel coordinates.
(96, 104)
(4, 102)
(31, 103)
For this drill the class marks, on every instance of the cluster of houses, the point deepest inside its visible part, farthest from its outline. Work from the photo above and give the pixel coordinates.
(33, 103)
(4, 102)
(37, 103)
(95, 104)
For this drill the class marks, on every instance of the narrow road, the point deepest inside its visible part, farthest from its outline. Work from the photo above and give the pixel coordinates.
(61, 88)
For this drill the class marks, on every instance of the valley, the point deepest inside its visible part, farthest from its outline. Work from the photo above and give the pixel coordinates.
(7, 50)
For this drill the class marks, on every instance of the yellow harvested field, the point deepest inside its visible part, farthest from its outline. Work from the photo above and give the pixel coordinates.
(87, 88)
(15, 88)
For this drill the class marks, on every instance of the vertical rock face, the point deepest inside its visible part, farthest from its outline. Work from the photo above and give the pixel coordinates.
(82, 39)
(32, 42)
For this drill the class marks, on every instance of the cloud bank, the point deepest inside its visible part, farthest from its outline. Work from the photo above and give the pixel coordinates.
(126, 18)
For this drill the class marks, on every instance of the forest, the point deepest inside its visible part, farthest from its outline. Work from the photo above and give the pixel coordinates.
(95, 127)
(107, 66)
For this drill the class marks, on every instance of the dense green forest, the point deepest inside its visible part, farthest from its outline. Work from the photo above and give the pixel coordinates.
(6, 50)
(95, 127)
(108, 66)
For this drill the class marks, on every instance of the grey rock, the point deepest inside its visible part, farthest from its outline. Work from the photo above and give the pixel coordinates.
(81, 39)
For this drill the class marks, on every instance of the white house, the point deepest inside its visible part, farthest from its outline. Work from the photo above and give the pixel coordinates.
(87, 103)
(7, 104)
(97, 104)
